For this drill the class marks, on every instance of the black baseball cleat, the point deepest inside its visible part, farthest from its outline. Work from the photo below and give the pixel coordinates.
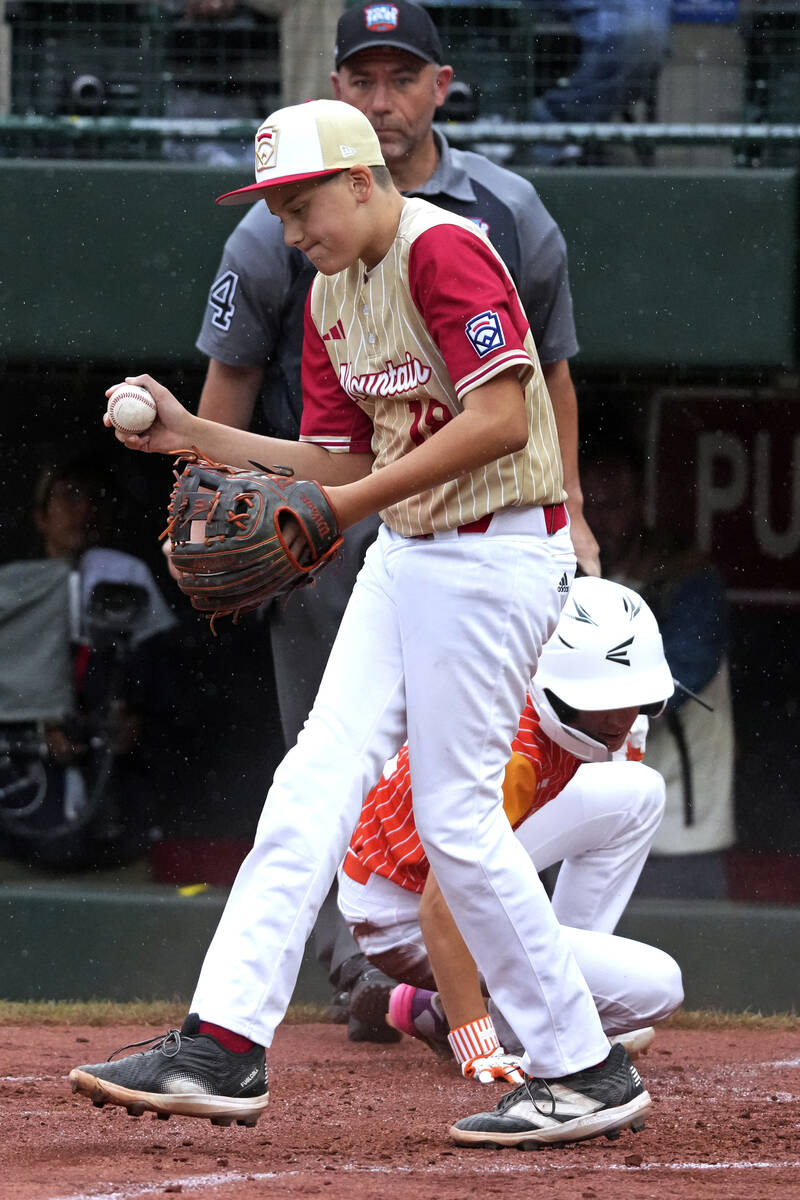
(544, 1112)
(364, 1031)
(185, 1073)
(369, 1004)
(369, 996)
(339, 1007)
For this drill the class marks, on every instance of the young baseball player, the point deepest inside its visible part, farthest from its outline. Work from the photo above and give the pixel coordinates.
(391, 65)
(570, 798)
(423, 399)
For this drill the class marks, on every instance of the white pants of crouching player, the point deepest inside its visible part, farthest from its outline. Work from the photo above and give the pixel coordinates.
(437, 645)
(600, 827)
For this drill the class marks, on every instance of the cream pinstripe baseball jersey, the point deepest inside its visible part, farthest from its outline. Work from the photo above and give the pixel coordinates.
(389, 355)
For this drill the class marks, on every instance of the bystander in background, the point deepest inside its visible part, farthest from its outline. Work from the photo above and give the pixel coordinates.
(623, 46)
(213, 47)
(84, 682)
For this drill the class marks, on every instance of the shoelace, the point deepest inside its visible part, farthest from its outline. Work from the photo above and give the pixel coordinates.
(530, 1087)
(169, 1043)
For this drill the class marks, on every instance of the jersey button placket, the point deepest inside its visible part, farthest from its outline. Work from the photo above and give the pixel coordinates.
(370, 335)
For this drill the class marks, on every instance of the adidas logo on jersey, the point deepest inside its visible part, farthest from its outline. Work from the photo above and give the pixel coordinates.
(335, 333)
(563, 585)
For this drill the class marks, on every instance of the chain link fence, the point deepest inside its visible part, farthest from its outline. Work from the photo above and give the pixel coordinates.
(115, 78)
(99, 78)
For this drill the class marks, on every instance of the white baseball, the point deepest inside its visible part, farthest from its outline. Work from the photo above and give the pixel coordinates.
(131, 408)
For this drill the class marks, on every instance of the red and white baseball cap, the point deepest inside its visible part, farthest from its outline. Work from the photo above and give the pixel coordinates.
(306, 141)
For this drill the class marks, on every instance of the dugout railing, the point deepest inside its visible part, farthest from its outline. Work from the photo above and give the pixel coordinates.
(127, 78)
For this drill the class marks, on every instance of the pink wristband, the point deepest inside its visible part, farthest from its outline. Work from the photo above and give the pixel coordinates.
(477, 1039)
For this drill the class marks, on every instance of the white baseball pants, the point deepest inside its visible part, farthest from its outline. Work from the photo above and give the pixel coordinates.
(600, 827)
(437, 645)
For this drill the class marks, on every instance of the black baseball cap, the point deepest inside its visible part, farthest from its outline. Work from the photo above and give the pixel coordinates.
(400, 24)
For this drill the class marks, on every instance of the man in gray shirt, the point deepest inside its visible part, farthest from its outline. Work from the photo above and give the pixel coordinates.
(390, 68)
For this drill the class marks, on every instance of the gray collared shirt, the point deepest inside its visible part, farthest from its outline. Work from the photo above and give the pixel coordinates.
(508, 209)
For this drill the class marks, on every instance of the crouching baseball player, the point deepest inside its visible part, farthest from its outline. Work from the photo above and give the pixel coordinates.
(575, 793)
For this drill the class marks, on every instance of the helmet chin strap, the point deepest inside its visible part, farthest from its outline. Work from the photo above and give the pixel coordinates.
(586, 748)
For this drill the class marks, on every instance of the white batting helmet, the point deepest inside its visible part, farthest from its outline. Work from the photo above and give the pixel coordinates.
(606, 653)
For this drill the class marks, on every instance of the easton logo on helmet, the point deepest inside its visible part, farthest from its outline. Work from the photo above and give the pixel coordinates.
(619, 654)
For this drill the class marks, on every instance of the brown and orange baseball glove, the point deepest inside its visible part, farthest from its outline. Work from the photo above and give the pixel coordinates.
(241, 537)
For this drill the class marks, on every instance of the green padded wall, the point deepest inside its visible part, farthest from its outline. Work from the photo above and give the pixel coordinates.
(112, 261)
(685, 267)
(62, 941)
(109, 261)
(67, 941)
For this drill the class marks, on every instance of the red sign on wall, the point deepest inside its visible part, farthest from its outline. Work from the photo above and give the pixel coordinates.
(724, 472)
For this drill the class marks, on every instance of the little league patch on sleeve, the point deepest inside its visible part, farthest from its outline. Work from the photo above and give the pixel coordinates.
(485, 332)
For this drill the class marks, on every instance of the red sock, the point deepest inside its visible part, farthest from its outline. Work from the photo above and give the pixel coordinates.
(226, 1037)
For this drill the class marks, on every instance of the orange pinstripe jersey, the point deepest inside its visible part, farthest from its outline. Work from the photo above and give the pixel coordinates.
(386, 841)
(390, 354)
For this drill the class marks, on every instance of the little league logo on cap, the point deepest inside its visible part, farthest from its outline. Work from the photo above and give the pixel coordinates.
(379, 18)
(485, 332)
(308, 141)
(402, 25)
(266, 147)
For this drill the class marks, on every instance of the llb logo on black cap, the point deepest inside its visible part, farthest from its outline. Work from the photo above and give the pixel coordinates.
(379, 18)
(402, 25)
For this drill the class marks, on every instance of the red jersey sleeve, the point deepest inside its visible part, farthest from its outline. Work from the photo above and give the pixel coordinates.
(469, 305)
(330, 418)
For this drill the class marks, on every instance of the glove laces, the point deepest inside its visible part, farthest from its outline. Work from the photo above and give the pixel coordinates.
(239, 519)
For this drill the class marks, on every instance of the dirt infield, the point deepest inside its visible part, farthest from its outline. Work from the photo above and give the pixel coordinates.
(348, 1122)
